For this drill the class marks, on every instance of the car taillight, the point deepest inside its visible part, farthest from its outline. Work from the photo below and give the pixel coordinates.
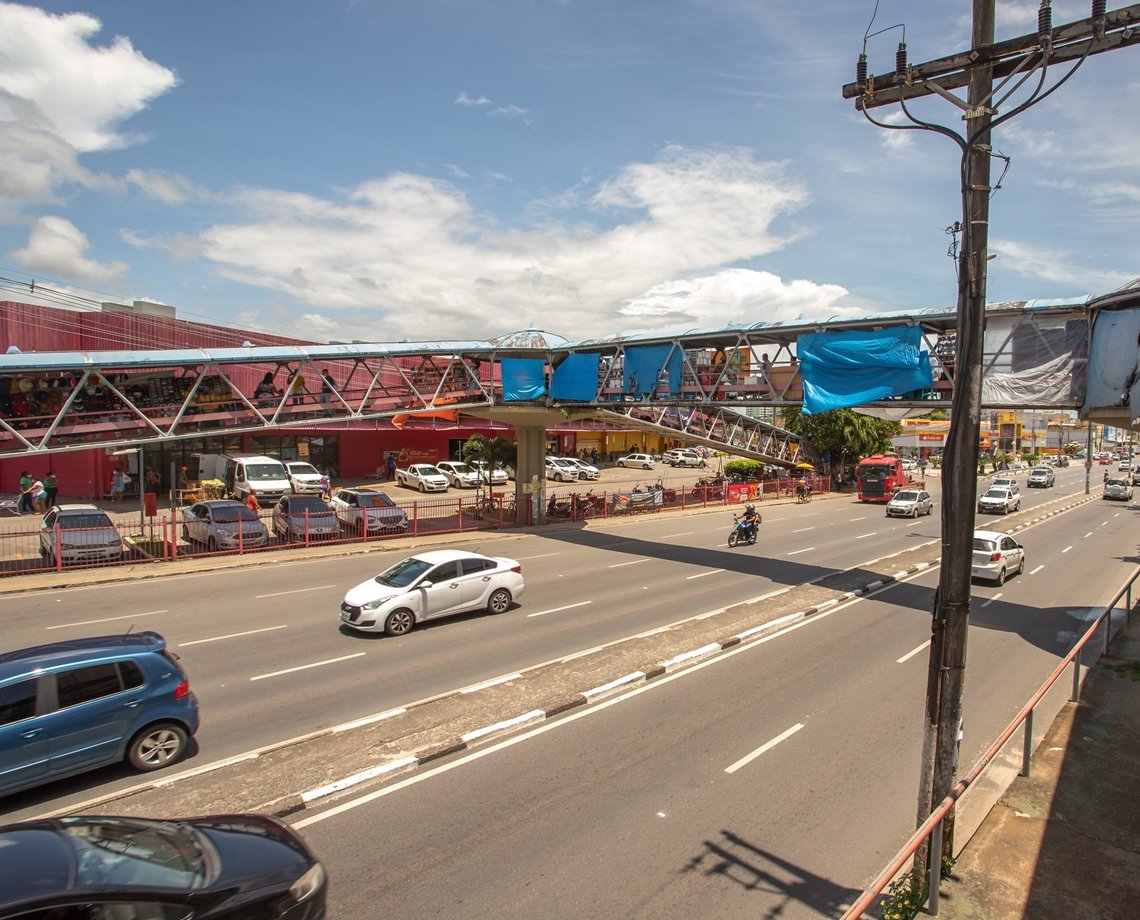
(995, 557)
(182, 690)
(516, 568)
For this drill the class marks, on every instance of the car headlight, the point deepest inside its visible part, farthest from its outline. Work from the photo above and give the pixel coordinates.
(308, 884)
(372, 605)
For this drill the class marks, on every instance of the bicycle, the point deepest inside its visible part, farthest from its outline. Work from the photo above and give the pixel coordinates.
(803, 496)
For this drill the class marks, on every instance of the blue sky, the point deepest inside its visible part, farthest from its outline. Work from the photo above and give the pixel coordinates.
(453, 169)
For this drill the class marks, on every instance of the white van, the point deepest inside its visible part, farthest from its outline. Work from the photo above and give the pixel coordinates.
(264, 475)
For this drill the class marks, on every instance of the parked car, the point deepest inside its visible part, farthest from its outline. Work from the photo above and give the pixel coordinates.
(220, 867)
(422, 476)
(433, 584)
(561, 470)
(910, 503)
(644, 461)
(78, 533)
(683, 457)
(223, 524)
(301, 517)
(909, 465)
(494, 476)
(355, 506)
(459, 474)
(996, 556)
(1118, 488)
(1041, 477)
(998, 500)
(76, 705)
(586, 470)
(304, 477)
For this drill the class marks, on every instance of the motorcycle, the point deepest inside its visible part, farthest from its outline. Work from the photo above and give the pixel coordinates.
(743, 531)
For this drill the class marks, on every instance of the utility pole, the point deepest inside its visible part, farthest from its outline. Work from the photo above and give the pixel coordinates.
(1009, 62)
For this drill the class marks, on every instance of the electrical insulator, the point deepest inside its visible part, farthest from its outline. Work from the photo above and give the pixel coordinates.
(1098, 17)
(861, 73)
(1045, 21)
(900, 62)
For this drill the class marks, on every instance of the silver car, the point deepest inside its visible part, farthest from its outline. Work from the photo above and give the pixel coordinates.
(459, 474)
(910, 503)
(996, 555)
(998, 501)
(1119, 488)
(221, 524)
(304, 517)
(79, 533)
(354, 506)
(491, 475)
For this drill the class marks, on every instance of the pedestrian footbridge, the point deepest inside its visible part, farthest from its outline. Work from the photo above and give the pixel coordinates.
(719, 387)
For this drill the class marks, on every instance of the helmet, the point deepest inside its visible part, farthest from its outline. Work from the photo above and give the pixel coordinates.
(750, 507)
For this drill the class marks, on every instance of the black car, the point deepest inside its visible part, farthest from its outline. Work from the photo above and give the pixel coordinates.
(100, 868)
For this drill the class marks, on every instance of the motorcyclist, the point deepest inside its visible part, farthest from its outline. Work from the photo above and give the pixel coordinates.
(750, 518)
(801, 490)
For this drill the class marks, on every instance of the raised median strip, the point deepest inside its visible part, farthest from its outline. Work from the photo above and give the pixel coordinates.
(348, 756)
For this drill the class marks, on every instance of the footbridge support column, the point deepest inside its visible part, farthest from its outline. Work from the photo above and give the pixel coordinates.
(530, 470)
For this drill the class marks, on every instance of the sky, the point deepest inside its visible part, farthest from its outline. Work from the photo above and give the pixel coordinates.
(429, 170)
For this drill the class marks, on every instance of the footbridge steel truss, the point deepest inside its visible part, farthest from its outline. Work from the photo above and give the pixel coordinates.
(79, 400)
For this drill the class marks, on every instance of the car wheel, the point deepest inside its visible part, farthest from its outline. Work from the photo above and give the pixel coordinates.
(1001, 576)
(211, 545)
(423, 488)
(499, 601)
(399, 622)
(622, 465)
(157, 746)
(1021, 566)
(915, 515)
(930, 509)
(186, 534)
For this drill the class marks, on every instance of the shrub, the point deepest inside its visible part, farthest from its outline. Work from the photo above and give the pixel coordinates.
(743, 470)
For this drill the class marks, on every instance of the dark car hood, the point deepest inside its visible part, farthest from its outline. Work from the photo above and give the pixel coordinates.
(253, 846)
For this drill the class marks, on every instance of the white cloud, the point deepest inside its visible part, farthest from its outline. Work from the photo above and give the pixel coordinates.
(464, 99)
(56, 247)
(1055, 266)
(169, 188)
(413, 252)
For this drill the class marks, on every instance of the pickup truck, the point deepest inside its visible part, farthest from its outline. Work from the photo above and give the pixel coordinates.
(422, 476)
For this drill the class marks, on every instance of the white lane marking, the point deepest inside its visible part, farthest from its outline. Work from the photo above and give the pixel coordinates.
(249, 632)
(541, 613)
(703, 574)
(803, 530)
(912, 652)
(258, 597)
(863, 536)
(992, 599)
(305, 667)
(494, 681)
(796, 552)
(539, 556)
(618, 565)
(852, 520)
(1089, 534)
(1036, 570)
(1066, 549)
(148, 613)
(670, 536)
(748, 758)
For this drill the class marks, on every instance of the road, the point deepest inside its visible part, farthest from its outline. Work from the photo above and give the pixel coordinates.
(268, 661)
(771, 781)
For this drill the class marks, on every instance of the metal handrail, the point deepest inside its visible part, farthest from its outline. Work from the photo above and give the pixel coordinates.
(932, 826)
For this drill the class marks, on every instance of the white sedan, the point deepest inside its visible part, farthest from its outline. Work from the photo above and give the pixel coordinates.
(429, 585)
(459, 474)
(492, 475)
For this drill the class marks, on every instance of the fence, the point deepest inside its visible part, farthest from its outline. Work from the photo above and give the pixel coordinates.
(178, 535)
(931, 828)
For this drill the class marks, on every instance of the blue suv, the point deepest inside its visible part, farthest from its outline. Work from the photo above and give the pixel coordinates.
(73, 706)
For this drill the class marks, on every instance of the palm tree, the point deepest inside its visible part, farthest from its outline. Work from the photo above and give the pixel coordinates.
(497, 453)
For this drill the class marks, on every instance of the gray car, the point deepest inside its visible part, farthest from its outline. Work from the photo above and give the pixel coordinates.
(910, 503)
(222, 524)
(354, 506)
(78, 534)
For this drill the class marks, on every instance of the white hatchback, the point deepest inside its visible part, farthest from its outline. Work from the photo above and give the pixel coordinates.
(645, 461)
(996, 555)
(430, 585)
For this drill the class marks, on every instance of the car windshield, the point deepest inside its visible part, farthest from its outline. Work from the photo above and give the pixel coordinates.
(377, 500)
(303, 469)
(461, 468)
(906, 497)
(307, 504)
(260, 472)
(1118, 482)
(985, 546)
(231, 514)
(83, 521)
(115, 852)
(999, 494)
(403, 573)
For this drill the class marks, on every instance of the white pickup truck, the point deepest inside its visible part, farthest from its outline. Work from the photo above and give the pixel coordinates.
(422, 476)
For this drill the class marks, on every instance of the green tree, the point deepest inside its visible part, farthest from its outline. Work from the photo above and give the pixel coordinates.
(498, 453)
(844, 433)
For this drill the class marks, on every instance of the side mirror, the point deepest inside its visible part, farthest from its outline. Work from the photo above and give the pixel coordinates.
(427, 583)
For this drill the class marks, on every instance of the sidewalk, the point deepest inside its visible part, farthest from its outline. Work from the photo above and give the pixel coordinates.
(1064, 842)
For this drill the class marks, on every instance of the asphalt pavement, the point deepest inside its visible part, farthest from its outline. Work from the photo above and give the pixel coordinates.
(1063, 842)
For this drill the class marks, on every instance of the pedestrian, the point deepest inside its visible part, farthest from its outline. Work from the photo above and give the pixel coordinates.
(152, 479)
(51, 488)
(327, 387)
(390, 465)
(297, 388)
(24, 502)
(118, 484)
(251, 501)
(39, 496)
(326, 485)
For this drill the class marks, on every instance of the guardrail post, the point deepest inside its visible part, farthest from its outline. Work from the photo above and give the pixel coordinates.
(1076, 694)
(1027, 746)
(935, 874)
(1107, 628)
(415, 518)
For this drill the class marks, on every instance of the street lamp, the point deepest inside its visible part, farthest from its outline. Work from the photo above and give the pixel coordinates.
(127, 451)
